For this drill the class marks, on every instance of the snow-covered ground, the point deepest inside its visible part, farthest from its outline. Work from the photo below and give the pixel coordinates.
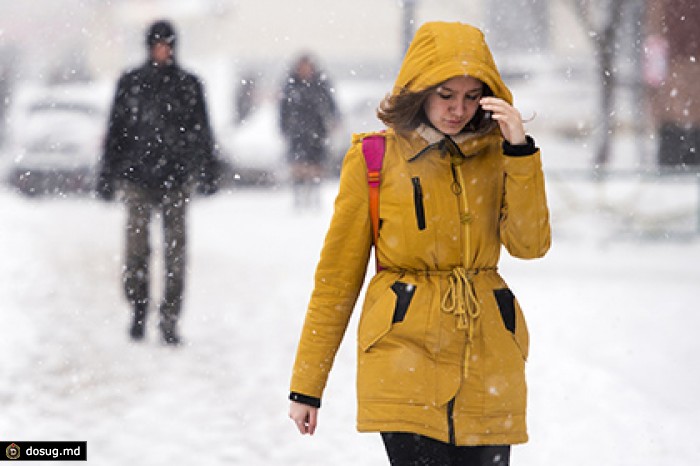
(613, 370)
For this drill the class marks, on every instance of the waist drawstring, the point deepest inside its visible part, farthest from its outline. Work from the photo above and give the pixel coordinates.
(460, 300)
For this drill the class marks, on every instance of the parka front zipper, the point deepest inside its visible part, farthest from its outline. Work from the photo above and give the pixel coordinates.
(418, 202)
(462, 208)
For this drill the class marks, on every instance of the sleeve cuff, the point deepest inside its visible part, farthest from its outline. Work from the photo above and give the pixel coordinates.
(520, 150)
(304, 399)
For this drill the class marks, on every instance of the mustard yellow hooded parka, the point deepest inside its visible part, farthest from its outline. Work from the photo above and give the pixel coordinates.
(442, 341)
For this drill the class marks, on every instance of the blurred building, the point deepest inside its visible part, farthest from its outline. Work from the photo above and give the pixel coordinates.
(672, 74)
(222, 39)
(102, 37)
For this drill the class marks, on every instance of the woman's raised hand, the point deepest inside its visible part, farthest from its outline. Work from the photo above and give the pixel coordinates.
(508, 118)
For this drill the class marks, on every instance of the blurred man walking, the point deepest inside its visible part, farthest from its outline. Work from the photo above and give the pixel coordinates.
(159, 148)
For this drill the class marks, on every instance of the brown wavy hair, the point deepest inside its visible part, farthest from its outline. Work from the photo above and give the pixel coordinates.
(404, 111)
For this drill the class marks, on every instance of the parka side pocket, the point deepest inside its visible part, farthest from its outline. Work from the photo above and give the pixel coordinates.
(513, 319)
(506, 304)
(404, 294)
(376, 321)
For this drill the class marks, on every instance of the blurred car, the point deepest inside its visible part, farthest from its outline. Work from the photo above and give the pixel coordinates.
(55, 138)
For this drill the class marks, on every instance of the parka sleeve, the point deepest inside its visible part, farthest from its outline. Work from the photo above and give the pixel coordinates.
(202, 126)
(207, 167)
(338, 280)
(117, 142)
(117, 138)
(524, 221)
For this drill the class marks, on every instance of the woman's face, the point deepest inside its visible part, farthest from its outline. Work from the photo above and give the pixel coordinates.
(453, 104)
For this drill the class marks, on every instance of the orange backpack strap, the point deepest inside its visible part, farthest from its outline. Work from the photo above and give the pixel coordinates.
(373, 148)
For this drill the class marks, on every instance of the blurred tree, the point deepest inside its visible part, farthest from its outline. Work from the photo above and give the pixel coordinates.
(603, 21)
(8, 58)
(245, 97)
(408, 9)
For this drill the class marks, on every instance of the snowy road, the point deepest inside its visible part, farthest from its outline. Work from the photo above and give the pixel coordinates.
(613, 368)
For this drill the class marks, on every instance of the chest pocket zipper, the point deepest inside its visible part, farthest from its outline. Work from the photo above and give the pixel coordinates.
(418, 202)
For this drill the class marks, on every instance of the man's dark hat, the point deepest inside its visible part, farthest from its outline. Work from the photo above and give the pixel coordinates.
(161, 31)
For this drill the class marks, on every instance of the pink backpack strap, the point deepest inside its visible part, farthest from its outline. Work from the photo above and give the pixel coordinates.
(373, 148)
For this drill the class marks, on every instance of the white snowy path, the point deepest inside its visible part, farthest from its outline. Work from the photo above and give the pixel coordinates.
(613, 372)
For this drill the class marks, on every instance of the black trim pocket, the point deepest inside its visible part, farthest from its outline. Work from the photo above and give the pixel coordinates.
(506, 304)
(418, 201)
(404, 295)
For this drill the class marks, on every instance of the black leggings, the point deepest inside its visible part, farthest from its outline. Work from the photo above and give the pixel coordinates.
(405, 449)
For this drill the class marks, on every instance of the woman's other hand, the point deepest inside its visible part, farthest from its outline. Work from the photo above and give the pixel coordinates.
(304, 416)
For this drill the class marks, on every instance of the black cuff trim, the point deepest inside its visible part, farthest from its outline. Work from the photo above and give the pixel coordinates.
(304, 399)
(520, 150)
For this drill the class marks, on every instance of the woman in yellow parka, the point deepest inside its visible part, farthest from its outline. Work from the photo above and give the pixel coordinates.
(442, 341)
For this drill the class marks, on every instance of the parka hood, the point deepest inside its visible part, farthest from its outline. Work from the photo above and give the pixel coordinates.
(441, 51)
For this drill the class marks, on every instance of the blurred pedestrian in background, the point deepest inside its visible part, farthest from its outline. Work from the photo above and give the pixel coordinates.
(307, 114)
(672, 75)
(245, 98)
(442, 341)
(159, 149)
